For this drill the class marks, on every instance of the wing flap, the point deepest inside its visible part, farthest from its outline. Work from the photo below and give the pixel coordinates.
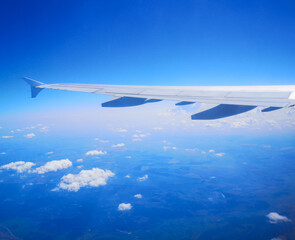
(221, 111)
(127, 102)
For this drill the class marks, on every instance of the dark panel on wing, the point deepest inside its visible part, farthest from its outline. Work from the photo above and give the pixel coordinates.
(128, 102)
(183, 103)
(221, 111)
(270, 109)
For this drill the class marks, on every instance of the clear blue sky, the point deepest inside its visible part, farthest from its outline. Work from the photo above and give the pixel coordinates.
(142, 42)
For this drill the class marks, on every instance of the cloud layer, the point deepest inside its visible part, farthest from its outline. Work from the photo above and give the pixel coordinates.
(93, 178)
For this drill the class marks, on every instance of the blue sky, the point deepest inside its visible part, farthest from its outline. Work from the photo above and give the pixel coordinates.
(140, 42)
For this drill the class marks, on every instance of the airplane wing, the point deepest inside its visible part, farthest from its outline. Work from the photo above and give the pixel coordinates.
(230, 100)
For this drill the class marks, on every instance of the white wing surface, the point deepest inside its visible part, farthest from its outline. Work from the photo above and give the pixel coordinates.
(231, 100)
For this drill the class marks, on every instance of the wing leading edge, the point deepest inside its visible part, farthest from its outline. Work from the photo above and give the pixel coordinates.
(231, 100)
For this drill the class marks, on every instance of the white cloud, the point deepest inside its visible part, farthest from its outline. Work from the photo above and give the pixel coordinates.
(192, 149)
(100, 140)
(158, 128)
(118, 145)
(141, 179)
(80, 160)
(94, 178)
(124, 206)
(168, 147)
(7, 136)
(44, 129)
(140, 135)
(128, 157)
(219, 154)
(127, 176)
(2, 153)
(277, 218)
(19, 166)
(136, 139)
(49, 153)
(122, 130)
(54, 166)
(211, 151)
(276, 238)
(95, 153)
(30, 135)
(139, 196)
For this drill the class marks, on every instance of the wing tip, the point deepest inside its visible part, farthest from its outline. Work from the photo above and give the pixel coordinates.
(34, 84)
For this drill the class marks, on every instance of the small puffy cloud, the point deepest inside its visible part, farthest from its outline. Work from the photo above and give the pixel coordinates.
(211, 151)
(124, 206)
(192, 149)
(139, 196)
(7, 137)
(121, 130)
(128, 157)
(80, 160)
(30, 135)
(127, 176)
(136, 139)
(49, 153)
(95, 153)
(44, 129)
(2, 153)
(19, 166)
(118, 145)
(53, 166)
(100, 140)
(139, 135)
(141, 179)
(94, 178)
(277, 218)
(169, 147)
(219, 154)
